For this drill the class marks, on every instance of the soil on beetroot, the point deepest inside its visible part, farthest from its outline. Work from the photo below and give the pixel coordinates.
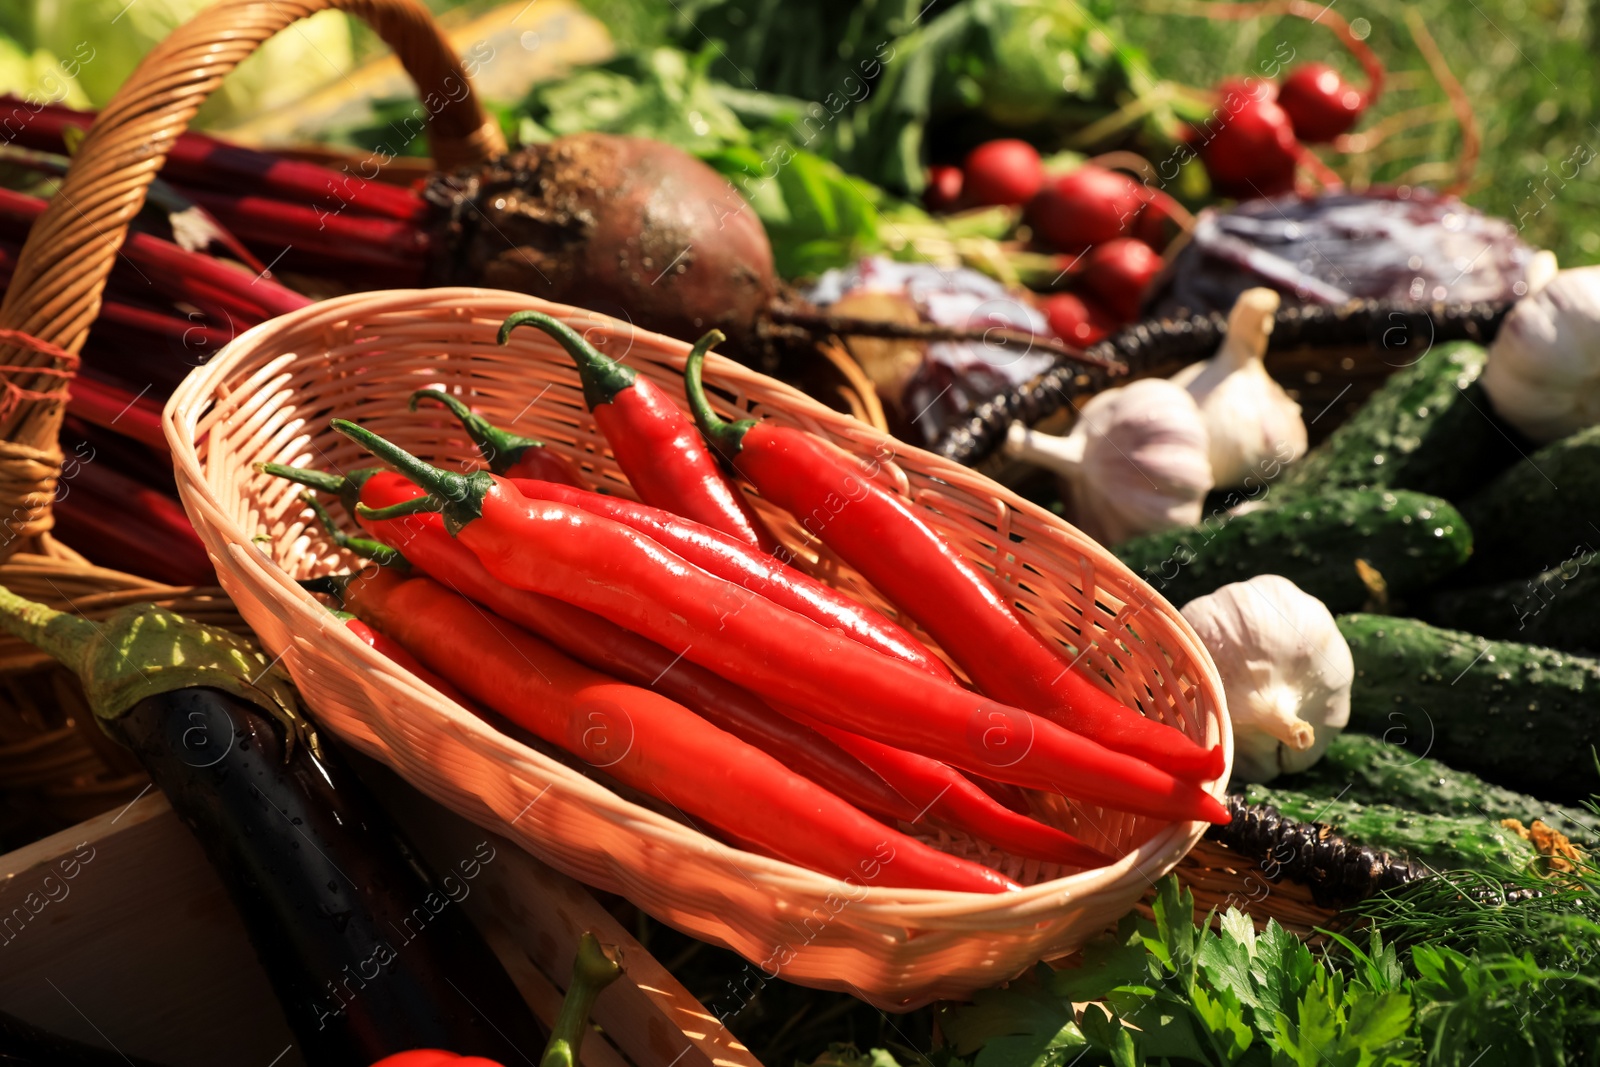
(625, 226)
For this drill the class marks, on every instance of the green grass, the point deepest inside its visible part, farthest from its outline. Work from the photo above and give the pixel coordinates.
(1528, 68)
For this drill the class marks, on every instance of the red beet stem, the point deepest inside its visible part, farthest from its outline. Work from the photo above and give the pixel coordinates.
(166, 267)
(99, 403)
(275, 226)
(201, 160)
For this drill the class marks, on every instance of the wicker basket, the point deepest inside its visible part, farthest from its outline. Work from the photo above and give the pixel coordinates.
(54, 767)
(268, 397)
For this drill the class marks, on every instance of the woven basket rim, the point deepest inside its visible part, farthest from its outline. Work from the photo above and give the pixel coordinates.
(191, 400)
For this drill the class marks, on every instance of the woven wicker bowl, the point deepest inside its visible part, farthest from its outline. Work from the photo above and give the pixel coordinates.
(269, 395)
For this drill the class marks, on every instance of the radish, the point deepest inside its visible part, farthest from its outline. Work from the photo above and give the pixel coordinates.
(1249, 149)
(1157, 224)
(1076, 322)
(1006, 171)
(1321, 105)
(1086, 207)
(1118, 272)
(944, 188)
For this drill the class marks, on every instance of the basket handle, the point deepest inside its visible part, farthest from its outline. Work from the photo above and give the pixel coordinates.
(55, 291)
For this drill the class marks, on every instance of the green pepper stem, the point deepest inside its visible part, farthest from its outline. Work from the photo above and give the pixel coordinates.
(376, 551)
(458, 497)
(347, 487)
(500, 448)
(333, 585)
(726, 437)
(602, 378)
(592, 971)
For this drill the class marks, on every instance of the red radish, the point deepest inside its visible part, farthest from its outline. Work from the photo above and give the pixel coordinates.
(1156, 225)
(1076, 322)
(1321, 105)
(1118, 272)
(1249, 149)
(1006, 171)
(944, 188)
(1086, 207)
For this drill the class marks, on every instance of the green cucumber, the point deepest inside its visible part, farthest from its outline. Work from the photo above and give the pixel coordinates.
(1539, 513)
(1428, 429)
(1443, 842)
(1557, 608)
(1411, 539)
(1370, 770)
(1519, 716)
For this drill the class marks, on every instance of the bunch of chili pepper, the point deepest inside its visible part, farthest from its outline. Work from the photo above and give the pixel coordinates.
(665, 643)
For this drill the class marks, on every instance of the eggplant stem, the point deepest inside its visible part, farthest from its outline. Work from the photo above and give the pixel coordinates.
(64, 636)
(592, 971)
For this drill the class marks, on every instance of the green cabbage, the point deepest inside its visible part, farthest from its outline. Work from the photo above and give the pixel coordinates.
(110, 37)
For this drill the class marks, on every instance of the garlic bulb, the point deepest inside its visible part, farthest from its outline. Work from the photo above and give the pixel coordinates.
(1135, 461)
(1286, 672)
(1253, 425)
(1543, 374)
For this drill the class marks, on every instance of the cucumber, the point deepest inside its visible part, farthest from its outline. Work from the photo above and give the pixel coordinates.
(1541, 512)
(1412, 540)
(1443, 842)
(1372, 771)
(1519, 716)
(1428, 429)
(1557, 608)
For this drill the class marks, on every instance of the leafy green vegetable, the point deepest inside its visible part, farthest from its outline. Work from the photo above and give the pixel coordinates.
(662, 93)
(1189, 994)
(1452, 972)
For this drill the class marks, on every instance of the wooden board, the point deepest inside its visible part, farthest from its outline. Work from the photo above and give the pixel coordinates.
(117, 933)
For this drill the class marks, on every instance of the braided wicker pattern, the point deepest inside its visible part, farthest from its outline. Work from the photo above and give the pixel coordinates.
(55, 292)
(56, 767)
(268, 397)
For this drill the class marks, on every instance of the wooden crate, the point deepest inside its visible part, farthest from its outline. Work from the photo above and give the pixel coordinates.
(116, 932)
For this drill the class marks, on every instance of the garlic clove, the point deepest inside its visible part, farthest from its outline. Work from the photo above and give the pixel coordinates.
(1253, 425)
(1275, 709)
(1286, 672)
(1543, 373)
(1136, 461)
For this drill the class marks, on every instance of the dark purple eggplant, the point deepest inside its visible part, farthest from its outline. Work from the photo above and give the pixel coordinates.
(367, 954)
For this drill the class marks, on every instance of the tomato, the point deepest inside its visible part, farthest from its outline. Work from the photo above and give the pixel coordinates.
(433, 1057)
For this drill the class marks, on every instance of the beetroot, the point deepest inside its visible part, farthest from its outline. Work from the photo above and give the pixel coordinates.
(1320, 104)
(1006, 171)
(1118, 272)
(944, 188)
(1249, 148)
(1076, 322)
(623, 225)
(1085, 207)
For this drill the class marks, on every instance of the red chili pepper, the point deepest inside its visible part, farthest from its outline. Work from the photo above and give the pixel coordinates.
(506, 453)
(390, 650)
(593, 640)
(651, 743)
(656, 445)
(608, 647)
(626, 577)
(877, 534)
(946, 794)
(757, 571)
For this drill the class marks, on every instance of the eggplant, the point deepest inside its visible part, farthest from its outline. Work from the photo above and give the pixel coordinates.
(367, 954)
